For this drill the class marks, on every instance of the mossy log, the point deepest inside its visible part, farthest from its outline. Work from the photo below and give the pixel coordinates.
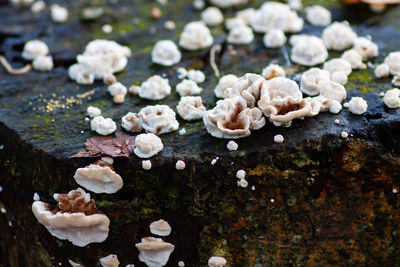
(315, 200)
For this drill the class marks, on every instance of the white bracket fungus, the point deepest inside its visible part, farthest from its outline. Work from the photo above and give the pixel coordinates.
(392, 98)
(339, 69)
(282, 101)
(58, 13)
(393, 61)
(333, 91)
(188, 87)
(318, 16)
(34, 48)
(110, 261)
(159, 119)
(154, 252)
(166, 53)
(344, 134)
(309, 51)
(180, 165)
(312, 79)
(228, 3)
(75, 218)
(357, 105)
(99, 177)
(216, 261)
(274, 38)
(232, 146)
(234, 23)
(191, 108)
(146, 165)
(354, 58)
(273, 71)
(155, 88)
(338, 36)
(366, 48)
(118, 91)
(147, 145)
(103, 126)
(382, 70)
(100, 59)
(196, 76)
(278, 138)
(396, 80)
(212, 16)
(93, 111)
(160, 228)
(274, 15)
(240, 35)
(224, 86)
(132, 122)
(195, 36)
(43, 63)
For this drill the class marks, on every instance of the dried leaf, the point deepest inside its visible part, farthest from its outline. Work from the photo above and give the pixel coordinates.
(122, 145)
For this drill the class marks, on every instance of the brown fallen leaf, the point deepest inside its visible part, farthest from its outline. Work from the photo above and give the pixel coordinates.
(122, 145)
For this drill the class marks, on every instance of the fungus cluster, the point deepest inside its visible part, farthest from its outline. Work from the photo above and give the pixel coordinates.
(191, 108)
(75, 218)
(158, 119)
(166, 53)
(196, 36)
(154, 88)
(147, 145)
(38, 51)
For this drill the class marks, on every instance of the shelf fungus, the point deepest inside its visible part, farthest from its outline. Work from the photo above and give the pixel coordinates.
(392, 98)
(240, 35)
(118, 91)
(43, 63)
(312, 79)
(339, 69)
(196, 75)
(195, 36)
(59, 13)
(93, 111)
(249, 87)
(188, 87)
(132, 122)
(224, 86)
(110, 261)
(160, 228)
(166, 53)
(154, 252)
(382, 70)
(216, 261)
(212, 16)
(274, 38)
(333, 91)
(357, 105)
(34, 48)
(147, 145)
(100, 59)
(103, 126)
(155, 88)
(99, 177)
(338, 36)
(191, 108)
(282, 101)
(232, 146)
(234, 23)
(308, 50)
(318, 16)
(393, 61)
(354, 58)
(159, 119)
(75, 218)
(273, 71)
(274, 15)
(231, 119)
(366, 47)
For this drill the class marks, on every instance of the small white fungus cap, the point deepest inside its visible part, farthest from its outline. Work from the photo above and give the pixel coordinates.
(274, 38)
(117, 89)
(38, 6)
(354, 58)
(212, 16)
(234, 23)
(132, 122)
(224, 86)
(392, 98)
(159, 119)
(357, 105)
(278, 138)
(272, 71)
(58, 13)
(34, 48)
(103, 126)
(396, 80)
(232, 146)
(382, 70)
(93, 111)
(191, 108)
(160, 228)
(240, 35)
(110, 261)
(75, 226)
(188, 87)
(154, 252)
(216, 261)
(333, 91)
(240, 174)
(344, 134)
(312, 79)
(195, 36)
(166, 53)
(147, 145)
(196, 76)
(146, 165)
(99, 178)
(393, 61)
(318, 16)
(335, 107)
(338, 65)
(366, 48)
(338, 36)
(155, 88)
(309, 51)
(180, 165)
(43, 63)
(228, 3)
